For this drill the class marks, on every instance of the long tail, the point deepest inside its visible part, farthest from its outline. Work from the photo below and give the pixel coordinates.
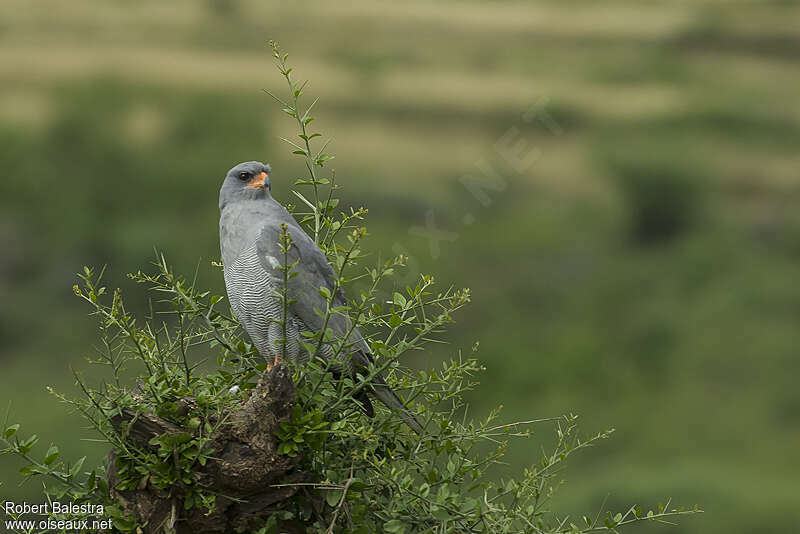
(384, 393)
(392, 401)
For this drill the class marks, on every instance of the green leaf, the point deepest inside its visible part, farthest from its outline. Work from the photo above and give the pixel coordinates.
(357, 485)
(439, 513)
(395, 525)
(91, 482)
(333, 497)
(28, 444)
(51, 456)
(424, 489)
(28, 470)
(10, 431)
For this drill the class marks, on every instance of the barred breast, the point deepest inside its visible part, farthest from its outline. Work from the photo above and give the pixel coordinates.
(253, 297)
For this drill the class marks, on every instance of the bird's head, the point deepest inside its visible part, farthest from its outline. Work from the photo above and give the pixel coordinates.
(246, 181)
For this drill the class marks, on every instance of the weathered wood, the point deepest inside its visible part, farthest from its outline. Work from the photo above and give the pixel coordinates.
(245, 466)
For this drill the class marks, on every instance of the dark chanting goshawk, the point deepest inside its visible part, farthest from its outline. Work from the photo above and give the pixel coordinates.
(249, 232)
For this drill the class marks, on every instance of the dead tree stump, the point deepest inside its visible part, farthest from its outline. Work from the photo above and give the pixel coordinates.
(245, 466)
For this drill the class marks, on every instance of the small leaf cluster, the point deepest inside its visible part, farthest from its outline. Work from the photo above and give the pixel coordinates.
(155, 366)
(61, 479)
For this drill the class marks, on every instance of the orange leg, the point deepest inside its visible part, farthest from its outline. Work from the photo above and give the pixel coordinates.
(274, 363)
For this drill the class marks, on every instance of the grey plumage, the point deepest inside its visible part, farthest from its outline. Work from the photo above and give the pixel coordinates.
(250, 221)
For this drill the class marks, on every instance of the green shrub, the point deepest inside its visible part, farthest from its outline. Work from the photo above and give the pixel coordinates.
(363, 474)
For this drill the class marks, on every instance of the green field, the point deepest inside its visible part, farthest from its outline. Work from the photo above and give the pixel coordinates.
(637, 262)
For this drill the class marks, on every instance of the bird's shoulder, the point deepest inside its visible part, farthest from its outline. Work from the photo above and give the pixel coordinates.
(303, 250)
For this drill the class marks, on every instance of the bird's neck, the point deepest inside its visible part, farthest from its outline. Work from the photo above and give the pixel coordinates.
(240, 224)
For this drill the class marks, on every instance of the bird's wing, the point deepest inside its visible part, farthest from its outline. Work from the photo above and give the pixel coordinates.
(313, 272)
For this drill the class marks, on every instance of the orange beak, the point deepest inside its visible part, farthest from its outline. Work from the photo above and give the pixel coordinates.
(259, 181)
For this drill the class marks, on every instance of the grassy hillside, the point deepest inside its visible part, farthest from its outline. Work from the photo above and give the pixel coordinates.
(632, 248)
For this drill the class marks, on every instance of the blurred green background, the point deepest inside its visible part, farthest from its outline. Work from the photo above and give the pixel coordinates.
(635, 263)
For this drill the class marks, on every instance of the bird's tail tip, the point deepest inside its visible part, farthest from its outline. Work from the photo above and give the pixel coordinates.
(388, 397)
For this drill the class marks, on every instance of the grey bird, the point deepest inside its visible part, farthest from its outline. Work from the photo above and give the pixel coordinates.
(249, 232)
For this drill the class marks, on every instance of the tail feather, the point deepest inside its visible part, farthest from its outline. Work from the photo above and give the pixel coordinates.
(385, 394)
(392, 401)
(364, 403)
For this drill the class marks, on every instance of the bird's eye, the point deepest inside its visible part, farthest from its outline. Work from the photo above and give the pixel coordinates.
(243, 176)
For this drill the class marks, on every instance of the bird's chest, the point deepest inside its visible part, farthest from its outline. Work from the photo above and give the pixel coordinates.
(259, 308)
(251, 292)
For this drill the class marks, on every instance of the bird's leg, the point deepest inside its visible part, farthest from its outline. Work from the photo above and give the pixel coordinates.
(274, 363)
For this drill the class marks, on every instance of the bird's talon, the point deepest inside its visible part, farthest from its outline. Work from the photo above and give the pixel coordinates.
(274, 363)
